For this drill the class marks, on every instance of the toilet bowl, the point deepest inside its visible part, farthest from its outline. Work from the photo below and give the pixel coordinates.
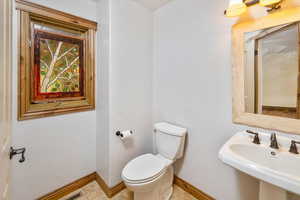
(150, 176)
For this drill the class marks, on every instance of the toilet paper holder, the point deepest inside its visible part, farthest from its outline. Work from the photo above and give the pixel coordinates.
(120, 134)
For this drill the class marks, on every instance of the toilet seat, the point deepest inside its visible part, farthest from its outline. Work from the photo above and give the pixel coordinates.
(144, 168)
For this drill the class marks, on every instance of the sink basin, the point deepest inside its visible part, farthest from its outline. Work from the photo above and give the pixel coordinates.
(277, 167)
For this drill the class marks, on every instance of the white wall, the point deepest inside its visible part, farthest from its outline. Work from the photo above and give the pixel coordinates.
(126, 85)
(130, 83)
(192, 77)
(102, 109)
(59, 149)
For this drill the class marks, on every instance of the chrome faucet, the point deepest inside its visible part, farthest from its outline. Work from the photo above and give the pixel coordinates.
(274, 143)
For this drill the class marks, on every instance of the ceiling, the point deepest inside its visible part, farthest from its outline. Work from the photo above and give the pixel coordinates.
(153, 4)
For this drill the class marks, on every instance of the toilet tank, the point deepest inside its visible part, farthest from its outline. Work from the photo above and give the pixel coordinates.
(169, 140)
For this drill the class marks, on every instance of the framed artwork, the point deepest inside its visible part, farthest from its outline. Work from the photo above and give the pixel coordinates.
(57, 62)
(58, 67)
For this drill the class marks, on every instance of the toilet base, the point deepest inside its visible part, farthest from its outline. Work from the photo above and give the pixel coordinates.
(162, 191)
(168, 194)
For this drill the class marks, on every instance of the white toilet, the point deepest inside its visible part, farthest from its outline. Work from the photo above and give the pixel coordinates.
(150, 176)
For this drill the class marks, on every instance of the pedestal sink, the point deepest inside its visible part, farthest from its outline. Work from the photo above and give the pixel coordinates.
(277, 170)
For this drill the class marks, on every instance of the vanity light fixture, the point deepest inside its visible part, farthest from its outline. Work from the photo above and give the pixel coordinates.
(238, 7)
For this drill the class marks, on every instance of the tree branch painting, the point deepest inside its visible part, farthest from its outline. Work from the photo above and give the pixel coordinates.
(59, 66)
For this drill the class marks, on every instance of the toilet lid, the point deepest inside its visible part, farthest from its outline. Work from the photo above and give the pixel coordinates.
(144, 167)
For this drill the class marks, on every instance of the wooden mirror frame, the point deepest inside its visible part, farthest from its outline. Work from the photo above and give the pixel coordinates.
(240, 116)
(27, 108)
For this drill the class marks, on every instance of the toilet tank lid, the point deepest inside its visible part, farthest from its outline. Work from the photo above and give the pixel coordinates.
(170, 129)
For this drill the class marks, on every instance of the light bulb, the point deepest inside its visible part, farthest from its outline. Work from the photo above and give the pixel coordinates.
(268, 2)
(236, 8)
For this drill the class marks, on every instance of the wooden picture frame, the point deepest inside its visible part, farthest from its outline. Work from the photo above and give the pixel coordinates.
(70, 77)
(240, 116)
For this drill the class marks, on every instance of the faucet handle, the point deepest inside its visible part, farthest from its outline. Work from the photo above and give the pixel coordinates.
(273, 136)
(274, 143)
(293, 148)
(256, 138)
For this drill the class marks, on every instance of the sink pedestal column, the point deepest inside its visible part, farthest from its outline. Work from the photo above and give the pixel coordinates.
(270, 192)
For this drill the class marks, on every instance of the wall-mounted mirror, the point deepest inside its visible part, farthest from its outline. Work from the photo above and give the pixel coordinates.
(272, 86)
(266, 71)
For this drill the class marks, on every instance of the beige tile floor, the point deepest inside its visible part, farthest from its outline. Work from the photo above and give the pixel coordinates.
(92, 191)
